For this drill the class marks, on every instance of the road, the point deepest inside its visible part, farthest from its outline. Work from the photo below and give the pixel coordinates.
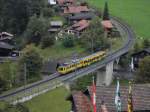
(79, 73)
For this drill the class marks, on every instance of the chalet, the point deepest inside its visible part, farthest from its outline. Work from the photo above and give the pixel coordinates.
(107, 25)
(78, 27)
(65, 2)
(55, 26)
(5, 49)
(81, 16)
(140, 95)
(6, 37)
(136, 57)
(75, 9)
(52, 2)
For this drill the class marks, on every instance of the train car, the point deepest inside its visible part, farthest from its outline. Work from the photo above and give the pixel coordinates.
(80, 63)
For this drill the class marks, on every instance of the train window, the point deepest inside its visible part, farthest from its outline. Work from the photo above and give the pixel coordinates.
(61, 69)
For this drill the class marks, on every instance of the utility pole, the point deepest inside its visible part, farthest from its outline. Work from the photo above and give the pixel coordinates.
(25, 79)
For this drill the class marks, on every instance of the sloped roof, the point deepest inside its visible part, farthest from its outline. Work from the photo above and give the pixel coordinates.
(107, 24)
(6, 33)
(61, 2)
(81, 25)
(144, 50)
(82, 103)
(5, 45)
(52, 2)
(75, 9)
(56, 23)
(80, 16)
(141, 96)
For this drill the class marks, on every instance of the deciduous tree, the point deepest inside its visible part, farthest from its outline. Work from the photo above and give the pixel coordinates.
(143, 73)
(32, 61)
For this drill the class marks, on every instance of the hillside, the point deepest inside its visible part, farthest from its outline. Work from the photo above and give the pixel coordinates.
(135, 12)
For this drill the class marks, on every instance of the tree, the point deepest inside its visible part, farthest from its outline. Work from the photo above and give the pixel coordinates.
(36, 28)
(106, 12)
(32, 61)
(68, 41)
(14, 15)
(146, 43)
(93, 38)
(143, 72)
(47, 40)
(8, 71)
(136, 47)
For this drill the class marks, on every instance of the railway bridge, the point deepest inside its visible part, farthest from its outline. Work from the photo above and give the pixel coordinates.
(112, 57)
(29, 91)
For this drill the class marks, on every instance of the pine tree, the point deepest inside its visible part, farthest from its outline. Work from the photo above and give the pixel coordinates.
(106, 12)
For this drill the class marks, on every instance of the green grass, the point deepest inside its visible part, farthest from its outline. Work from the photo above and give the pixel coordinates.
(135, 12)
(53, 101)
(59, 51)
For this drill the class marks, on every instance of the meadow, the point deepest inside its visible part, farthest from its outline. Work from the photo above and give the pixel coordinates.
(134, 12)
(53, 101)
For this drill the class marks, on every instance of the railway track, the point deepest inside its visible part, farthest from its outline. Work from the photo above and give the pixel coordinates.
(79, 73)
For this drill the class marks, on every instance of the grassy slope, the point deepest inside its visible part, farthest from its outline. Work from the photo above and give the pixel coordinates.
(135, 12)
(59, 51)
(53, 101)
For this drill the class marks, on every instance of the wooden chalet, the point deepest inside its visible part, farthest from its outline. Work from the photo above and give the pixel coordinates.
(5, 49)
(78, 27)
(140, 94)
(75, 9)
(6, 37)
(136, 57)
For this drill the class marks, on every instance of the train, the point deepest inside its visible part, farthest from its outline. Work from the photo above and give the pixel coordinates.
(66, 68)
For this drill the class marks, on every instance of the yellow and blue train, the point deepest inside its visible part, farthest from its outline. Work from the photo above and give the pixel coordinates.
(80, 63)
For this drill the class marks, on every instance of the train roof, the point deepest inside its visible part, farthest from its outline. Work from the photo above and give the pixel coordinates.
(73, 61)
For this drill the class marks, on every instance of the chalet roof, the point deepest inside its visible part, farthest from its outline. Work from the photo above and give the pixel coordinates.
(5, 35)
(75, 9)
(81, 25)
(141, 96)
(56, 23)
(80, 16)
(81, 102)
(61, 2)
(5, 45)
(107, 24)
(52, 2)
(144, 50)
